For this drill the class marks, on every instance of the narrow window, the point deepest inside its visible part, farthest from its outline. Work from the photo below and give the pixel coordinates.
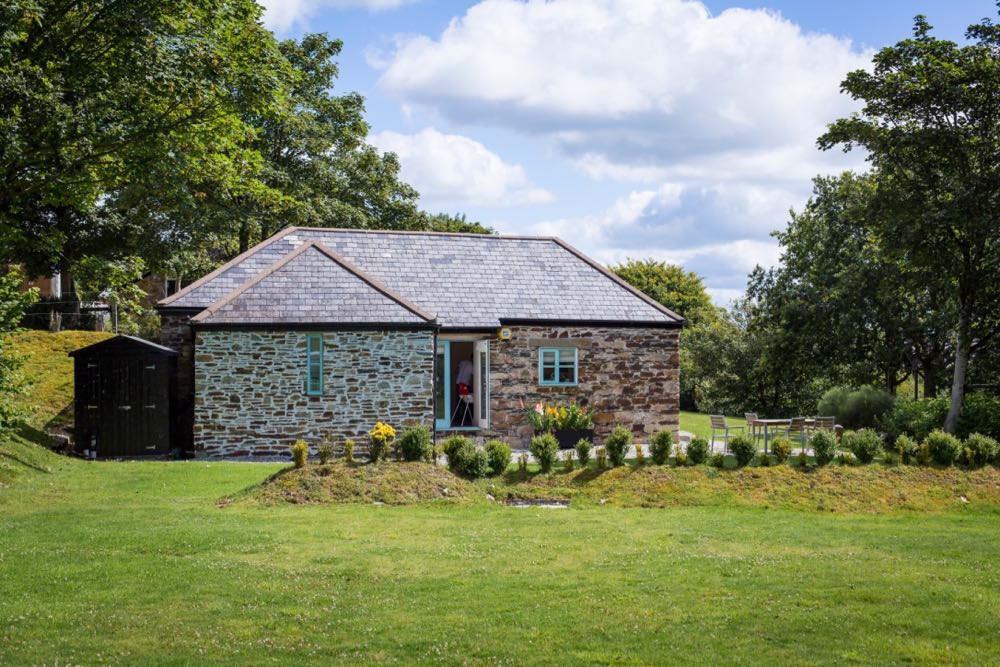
(557, 366)
(314, 365)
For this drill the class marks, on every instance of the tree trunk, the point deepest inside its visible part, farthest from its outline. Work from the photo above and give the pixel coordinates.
(930, 382)
(244, 237)
(962, 351)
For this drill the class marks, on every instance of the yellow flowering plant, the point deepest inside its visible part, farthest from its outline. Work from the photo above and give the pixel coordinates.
(381, 438)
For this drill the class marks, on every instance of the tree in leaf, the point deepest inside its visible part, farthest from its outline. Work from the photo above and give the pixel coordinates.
(931, 126)
(116, 283)
(14, 301)
(681, 291)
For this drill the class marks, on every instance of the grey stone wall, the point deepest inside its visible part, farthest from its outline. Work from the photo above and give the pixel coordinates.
(250, 397)
(628, 376)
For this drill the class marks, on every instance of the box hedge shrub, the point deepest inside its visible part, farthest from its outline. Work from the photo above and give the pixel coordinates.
(617, 445)
(944, 447)
(980, 449)
(697, 451)
(300, 453)
(583, 447)
(660, 446)
(415, 444)
(824, 446)
(864, 444)
(782, 449)
(544, 448)
(743, 448)
(498, 455)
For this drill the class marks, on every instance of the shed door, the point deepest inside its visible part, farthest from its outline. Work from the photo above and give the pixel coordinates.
(132, 399)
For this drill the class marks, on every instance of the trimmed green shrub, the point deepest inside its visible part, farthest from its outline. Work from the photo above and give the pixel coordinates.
(415, 444)
(544, 448)
(640, 457)
(763, 460)
(824, 446)
(583, 447)
(864, 444)
(498, 454)
(744, 449)
(451, 447)
(980, 450)
(718, 460)
(697, 451)
(944, 447)
(907, 449)
(325, 450)
(300, 453)
(660, 445)
(782, 449)
(803, 459)
(470, 461)
(617, 445)
(568, 460)
(859, 408)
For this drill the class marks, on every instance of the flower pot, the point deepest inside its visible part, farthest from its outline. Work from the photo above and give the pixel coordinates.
(568, 438)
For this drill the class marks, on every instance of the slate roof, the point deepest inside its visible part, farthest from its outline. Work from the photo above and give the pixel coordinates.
(462, 280)
(312, 285)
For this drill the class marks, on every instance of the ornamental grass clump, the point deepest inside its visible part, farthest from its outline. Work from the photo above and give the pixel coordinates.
(864, 444)
(498, 455)
(906, 449)
(568, 460)
(697, 451)
(660, 445)
(349, 446)
(380, 440)
(640, 456)
(602, 458)
(583, 447)
(617, 445)
(544, 448)
(522, 463)
(744, 449)
(415, 444)
(325, 450)
(944, 447)
(680, 456)
(824, 446)
(300, 453)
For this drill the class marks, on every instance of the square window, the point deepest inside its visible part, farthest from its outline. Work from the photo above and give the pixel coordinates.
(557, 366)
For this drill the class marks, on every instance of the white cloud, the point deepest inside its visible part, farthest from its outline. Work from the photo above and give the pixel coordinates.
(641, 84)
(452, 171)
(282, 15)
(715, 115)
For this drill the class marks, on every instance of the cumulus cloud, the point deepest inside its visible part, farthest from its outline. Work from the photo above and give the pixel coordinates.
(452, 170)
(641, 84)
(282, 15)
(716, 116)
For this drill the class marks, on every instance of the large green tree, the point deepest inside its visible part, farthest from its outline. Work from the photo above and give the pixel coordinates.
(931, 126)
(97, 94)
(681, 291)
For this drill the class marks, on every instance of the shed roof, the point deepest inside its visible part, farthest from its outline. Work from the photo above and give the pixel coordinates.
(465, 280)
(121, 341)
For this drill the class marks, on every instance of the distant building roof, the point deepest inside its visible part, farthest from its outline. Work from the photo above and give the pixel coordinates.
(459, 280)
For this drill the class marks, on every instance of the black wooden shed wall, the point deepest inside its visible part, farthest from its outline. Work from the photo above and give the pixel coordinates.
(124, 397)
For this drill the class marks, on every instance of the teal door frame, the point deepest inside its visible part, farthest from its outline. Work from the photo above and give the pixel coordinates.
(445, 423)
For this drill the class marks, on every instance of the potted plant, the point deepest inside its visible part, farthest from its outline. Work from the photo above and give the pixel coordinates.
(569, 423)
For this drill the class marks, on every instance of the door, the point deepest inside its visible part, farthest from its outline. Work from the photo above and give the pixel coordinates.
(442, 385)
(481, 361)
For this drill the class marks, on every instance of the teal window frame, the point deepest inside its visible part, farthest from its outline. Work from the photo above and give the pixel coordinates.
(314, 365)
(558, 355)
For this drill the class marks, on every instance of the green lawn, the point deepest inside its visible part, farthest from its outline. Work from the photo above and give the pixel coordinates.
(138, 563)
(698, 424)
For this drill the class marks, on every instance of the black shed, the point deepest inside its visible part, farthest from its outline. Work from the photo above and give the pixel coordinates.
(124, 397)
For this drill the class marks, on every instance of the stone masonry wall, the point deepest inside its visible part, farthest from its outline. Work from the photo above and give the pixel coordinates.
(627, 376)
(175, 333)
(250, 397)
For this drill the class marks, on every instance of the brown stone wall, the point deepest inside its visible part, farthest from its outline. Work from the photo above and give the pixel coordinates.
(627, 376)
(176, 333)
(250, 394)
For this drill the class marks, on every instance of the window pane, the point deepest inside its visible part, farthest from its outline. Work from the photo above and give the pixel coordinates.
(548, 357)
(314, 365)
(567, 374)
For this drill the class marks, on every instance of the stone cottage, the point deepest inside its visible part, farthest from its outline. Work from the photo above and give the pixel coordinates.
(318, 331)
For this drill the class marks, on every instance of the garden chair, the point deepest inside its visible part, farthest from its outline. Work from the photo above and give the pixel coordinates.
(825, 423)
(796, 431)
(719, 424)
(751, 418)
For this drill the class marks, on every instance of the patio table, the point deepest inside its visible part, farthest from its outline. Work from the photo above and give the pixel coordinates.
(766, 423)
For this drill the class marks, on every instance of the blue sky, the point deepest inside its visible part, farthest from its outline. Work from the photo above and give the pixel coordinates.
(672, 129)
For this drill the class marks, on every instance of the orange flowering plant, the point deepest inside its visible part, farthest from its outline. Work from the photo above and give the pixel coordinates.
(544, 418)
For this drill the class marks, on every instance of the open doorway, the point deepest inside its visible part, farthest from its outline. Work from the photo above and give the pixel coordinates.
(461, 378)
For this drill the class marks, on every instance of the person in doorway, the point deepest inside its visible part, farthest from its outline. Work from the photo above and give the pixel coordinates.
(464, 382)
